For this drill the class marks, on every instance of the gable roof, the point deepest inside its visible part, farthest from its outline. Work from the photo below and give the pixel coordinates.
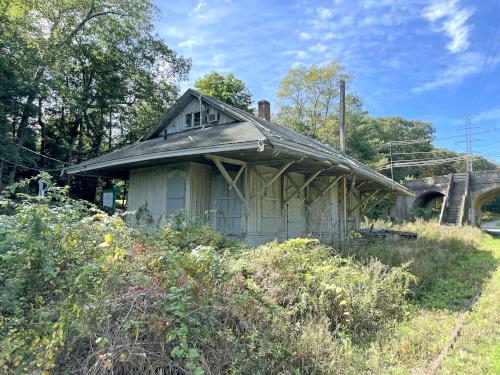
(242, 134)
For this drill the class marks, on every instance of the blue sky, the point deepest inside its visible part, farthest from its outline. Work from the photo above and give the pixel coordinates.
(431, 60)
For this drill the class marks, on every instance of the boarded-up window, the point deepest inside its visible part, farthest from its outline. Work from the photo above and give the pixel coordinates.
(269, 210)
(227, 205)
(176, 192)
(295, 210)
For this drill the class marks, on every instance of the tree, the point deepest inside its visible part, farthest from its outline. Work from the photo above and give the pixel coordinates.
(308, 97)
(78, 77)
(228, 89)
(308, 102)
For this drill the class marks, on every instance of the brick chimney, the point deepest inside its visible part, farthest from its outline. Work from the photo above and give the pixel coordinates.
(264, 110)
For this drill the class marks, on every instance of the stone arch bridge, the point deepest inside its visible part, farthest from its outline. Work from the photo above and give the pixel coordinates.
(463, 195)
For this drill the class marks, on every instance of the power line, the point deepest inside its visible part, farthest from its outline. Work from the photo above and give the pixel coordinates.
(421, 162)
(39, 154)
(488, 53)
(28, 167)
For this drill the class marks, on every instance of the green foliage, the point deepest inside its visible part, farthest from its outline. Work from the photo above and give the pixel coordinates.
(446, 261)
(308, 102)
(92, 75)
(308, 98)
(228, 89)
(82, 291)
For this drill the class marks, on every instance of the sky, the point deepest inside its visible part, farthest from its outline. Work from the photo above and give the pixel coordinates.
(429, 60)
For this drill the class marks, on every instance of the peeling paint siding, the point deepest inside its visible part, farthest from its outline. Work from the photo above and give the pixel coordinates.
(264, 218)
(178, 124)
(355, 217)
(323, 214)
(147, 188)
(294, 212)
(227, 206)
(198, 192)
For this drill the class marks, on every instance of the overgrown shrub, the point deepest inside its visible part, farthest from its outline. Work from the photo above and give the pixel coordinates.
(437, 252)
(83, 292)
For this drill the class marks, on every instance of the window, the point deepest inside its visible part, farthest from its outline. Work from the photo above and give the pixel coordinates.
(193, 120)
(189, 120)
(196, 121)
(176, 187)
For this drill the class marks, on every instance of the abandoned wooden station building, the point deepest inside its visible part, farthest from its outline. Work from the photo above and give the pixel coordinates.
(258, 181)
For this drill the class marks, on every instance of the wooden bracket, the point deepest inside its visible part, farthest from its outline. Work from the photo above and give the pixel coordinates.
(231, 182)
(326, 189)
(377, 202)
(365, 203)
(357, 187)
(267, 184)
(304, 185)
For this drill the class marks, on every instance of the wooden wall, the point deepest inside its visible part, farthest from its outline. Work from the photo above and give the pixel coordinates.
(203, 193)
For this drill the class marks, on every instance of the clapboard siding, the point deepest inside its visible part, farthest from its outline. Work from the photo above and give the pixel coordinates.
(198, 192)
(147, 189)
(205, 195)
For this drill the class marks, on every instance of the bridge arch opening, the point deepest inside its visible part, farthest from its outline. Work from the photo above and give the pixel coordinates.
(428, 205)
(486, 206)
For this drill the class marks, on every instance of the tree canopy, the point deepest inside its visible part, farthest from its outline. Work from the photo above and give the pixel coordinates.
(308, 101)
(79, 77)
(226, 88)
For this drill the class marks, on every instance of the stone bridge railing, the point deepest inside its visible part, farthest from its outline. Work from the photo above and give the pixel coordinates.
(483, 177)
(425, 183)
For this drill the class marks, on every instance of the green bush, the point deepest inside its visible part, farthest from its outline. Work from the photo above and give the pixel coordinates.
(434, 258)
(80, 291)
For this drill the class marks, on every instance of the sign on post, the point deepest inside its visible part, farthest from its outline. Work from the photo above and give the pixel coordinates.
(109, 200)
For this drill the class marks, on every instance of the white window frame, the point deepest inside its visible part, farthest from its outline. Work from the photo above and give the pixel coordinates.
(192, 125)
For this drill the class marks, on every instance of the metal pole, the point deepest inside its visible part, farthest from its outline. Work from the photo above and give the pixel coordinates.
(342, 116)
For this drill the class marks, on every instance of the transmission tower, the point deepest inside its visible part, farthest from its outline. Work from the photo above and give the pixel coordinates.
(468, 141)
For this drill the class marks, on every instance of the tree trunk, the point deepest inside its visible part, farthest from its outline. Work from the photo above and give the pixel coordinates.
(42, 129)
(23, 124)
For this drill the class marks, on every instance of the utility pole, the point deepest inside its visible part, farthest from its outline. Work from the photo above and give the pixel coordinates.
(342, 148)
(342, 116)
(390, 156)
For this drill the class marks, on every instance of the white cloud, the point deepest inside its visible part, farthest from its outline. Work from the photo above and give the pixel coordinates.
(200, 6)
(451, 18)
(492, 114)
(305, 36)
(174, 32)
(324, 13)
(328, 36)
(318, 48)
(190, 43)
(299, 54)
(466, 64)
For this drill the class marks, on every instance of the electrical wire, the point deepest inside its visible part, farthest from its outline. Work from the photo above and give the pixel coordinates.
(39, 154)
(28, 167)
